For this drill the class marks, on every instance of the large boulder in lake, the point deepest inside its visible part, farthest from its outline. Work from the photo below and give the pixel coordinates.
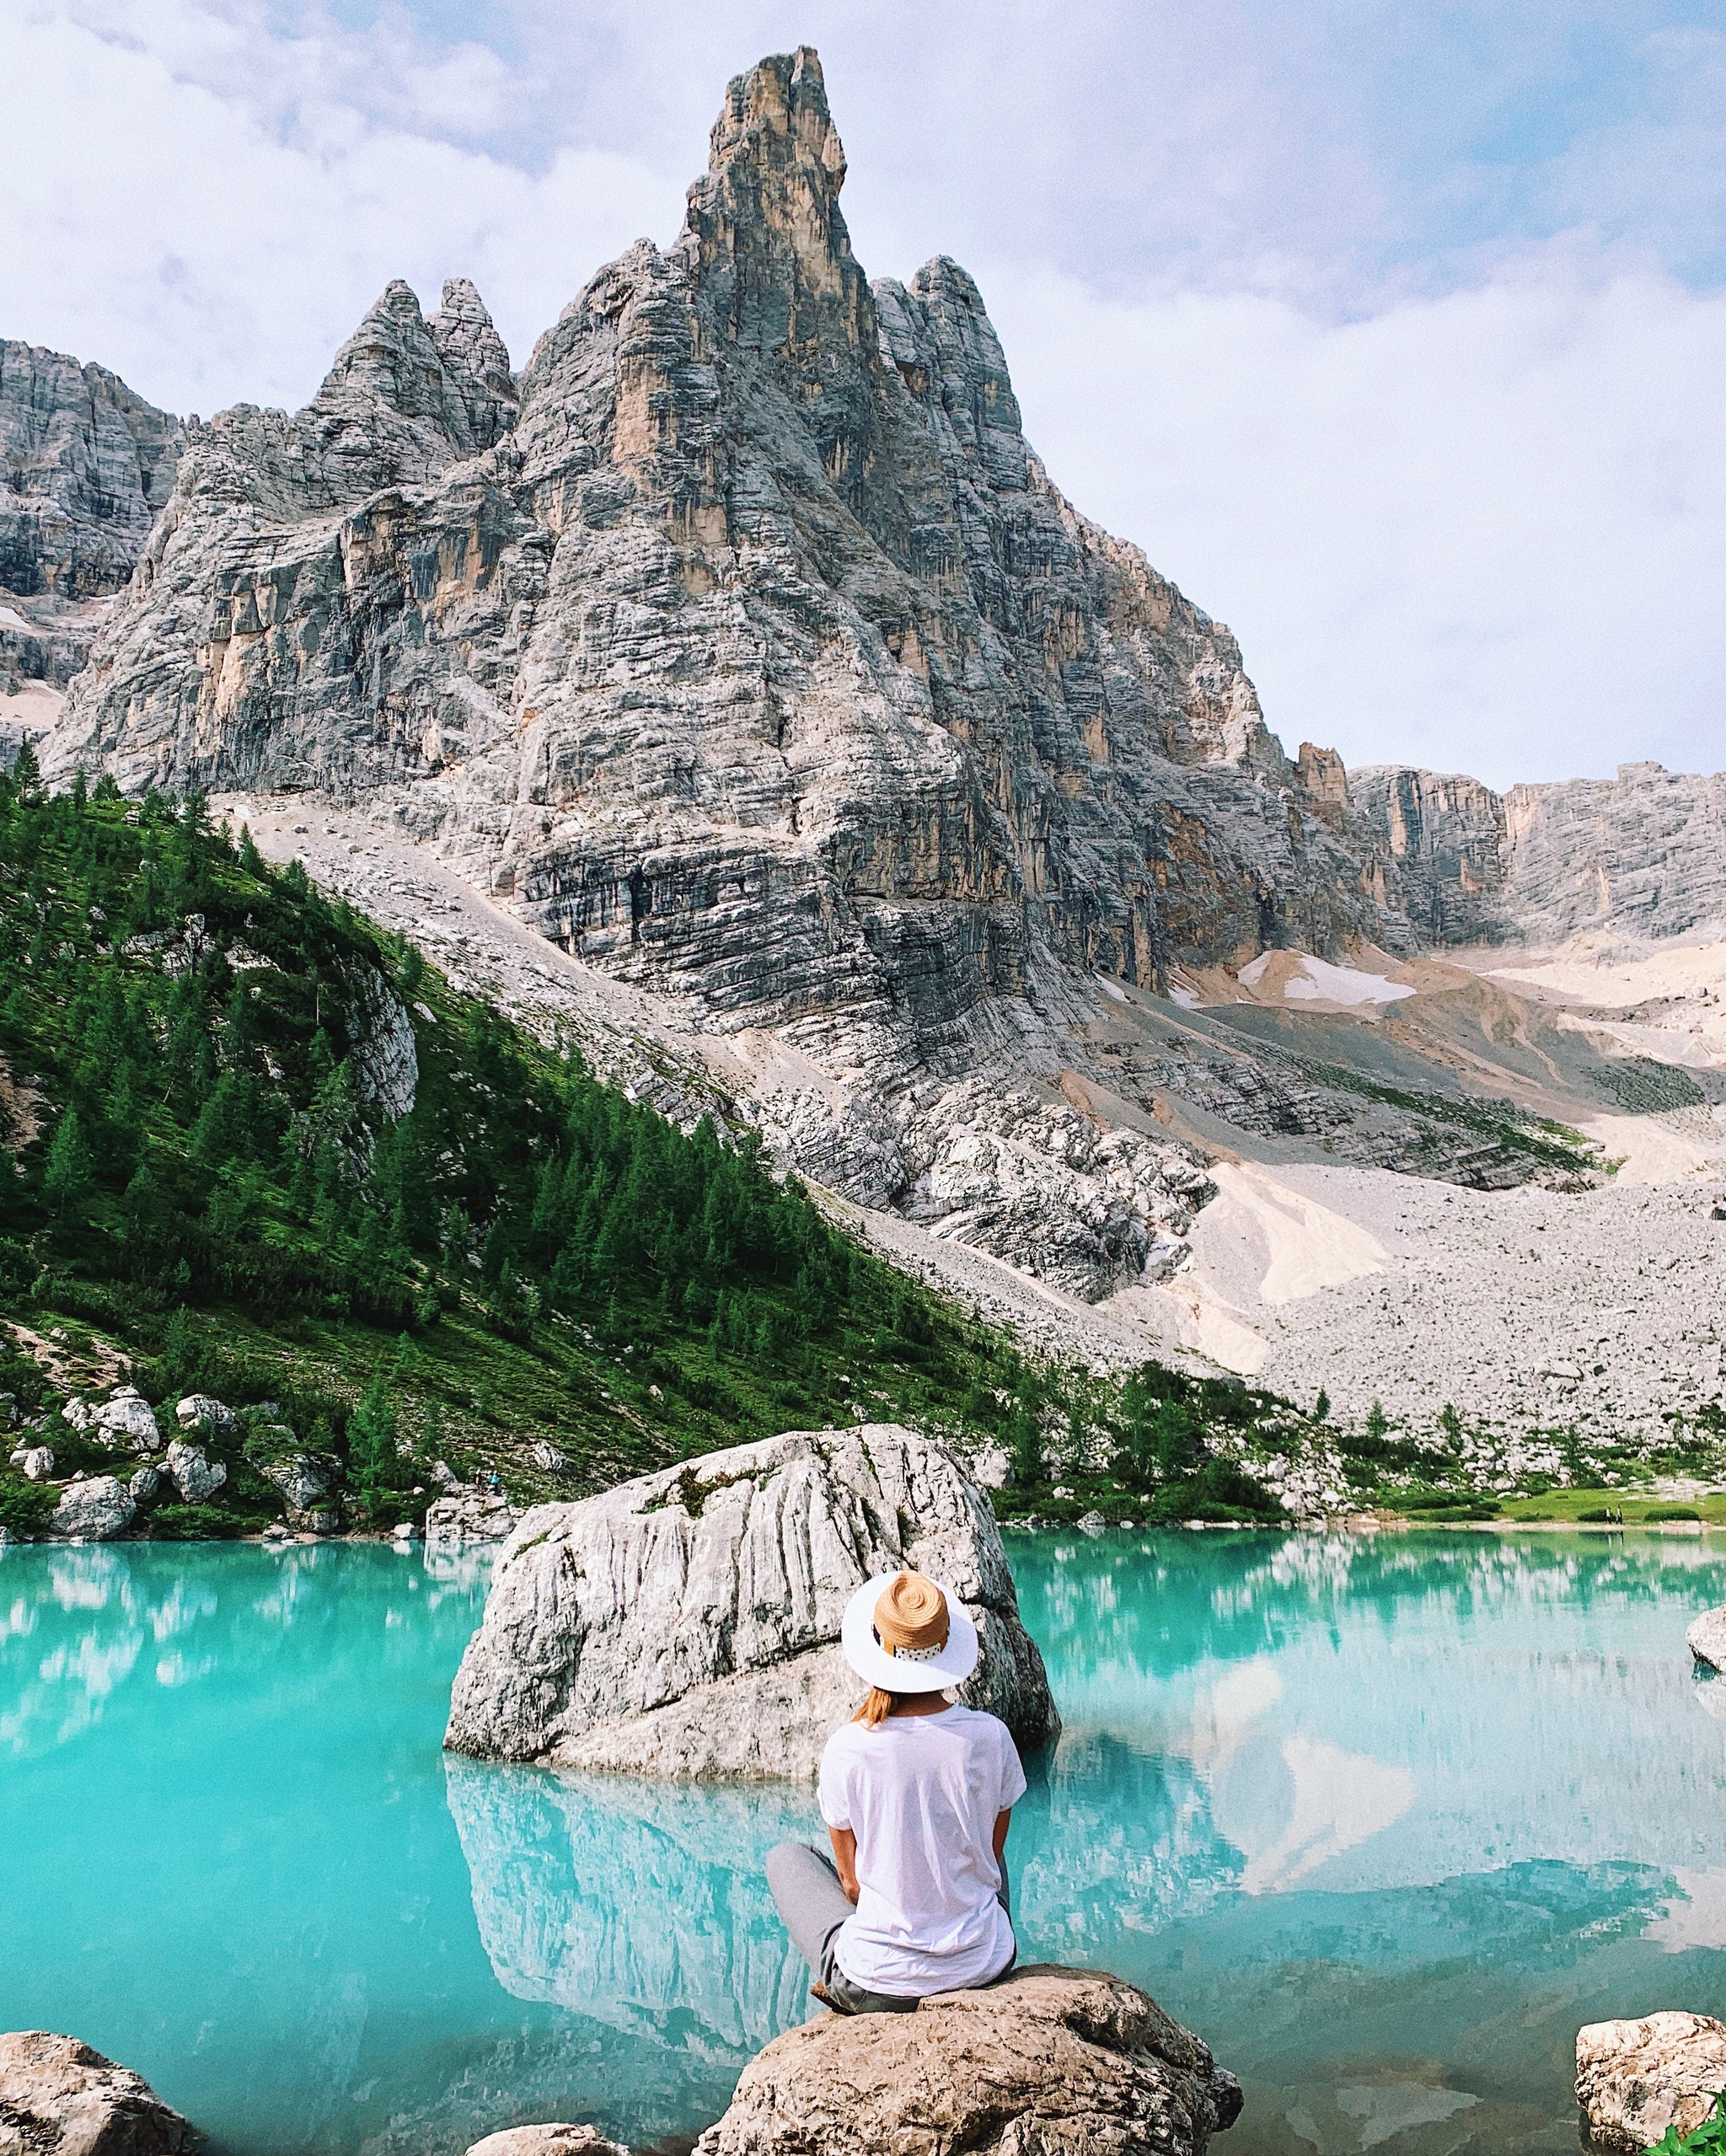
(1635, 2078)
(1050, 2060)
(1706, 1640)
(686, 1624)
(59, 2098)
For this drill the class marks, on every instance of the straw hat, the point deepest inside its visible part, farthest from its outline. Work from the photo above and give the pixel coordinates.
(907, 1632)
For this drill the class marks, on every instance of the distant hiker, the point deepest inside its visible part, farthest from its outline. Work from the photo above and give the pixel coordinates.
(917, 1795)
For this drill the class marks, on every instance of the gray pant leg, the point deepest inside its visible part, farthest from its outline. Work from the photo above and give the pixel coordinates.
(812, 1905)
(811, 1902)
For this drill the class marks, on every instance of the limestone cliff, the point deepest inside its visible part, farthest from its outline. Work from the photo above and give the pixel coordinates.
(1643, 853)
(1442, 841)
(86, 467)
(743, 644)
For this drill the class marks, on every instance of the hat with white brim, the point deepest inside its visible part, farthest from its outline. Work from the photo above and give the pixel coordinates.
(927, 1669)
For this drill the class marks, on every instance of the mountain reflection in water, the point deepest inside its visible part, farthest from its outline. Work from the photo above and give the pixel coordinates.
(1383, 1820)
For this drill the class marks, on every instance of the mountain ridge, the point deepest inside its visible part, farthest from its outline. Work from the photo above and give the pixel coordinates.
(741, 646)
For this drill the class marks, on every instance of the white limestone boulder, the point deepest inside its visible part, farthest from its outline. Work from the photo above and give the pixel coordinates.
(194, 1474)
(204, 1408)
(557, 2140)
(686, 1624)
(305, 1479)
(1706, 1640)
(1635, 2078)
(472, 1517)
(94, 1508)
(127, 1419)
(1050, 2062)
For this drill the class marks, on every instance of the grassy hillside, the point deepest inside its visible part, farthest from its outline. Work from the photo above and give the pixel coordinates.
(253, 1148)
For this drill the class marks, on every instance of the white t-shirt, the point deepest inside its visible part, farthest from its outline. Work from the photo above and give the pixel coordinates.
(921, 1793)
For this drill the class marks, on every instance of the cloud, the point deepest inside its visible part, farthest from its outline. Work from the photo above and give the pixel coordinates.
(224, 211)
(1484, 531)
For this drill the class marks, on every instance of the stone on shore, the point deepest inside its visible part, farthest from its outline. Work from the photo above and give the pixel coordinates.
(1706, 1640)
(92, 1510)
(1635, 2079)
(193, 1473)
(59, 2098)
(686, 1624)
(471, 1518)
(304, 1479)
(1050, 2060)
(547, 2141)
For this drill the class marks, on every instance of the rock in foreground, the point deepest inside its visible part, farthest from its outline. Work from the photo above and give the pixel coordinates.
(686, 1624)
(1706, 1640)
(1051, 2060)
(1635, 2079)
(59, 2098)
(557, 2140)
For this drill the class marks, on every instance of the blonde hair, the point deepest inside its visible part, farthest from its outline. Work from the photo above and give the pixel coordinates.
(876, 1707)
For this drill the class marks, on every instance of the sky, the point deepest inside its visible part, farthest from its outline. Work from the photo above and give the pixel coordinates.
(1394, 332)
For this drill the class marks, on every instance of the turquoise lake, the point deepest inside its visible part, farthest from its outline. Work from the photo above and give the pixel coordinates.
(1383, 1820)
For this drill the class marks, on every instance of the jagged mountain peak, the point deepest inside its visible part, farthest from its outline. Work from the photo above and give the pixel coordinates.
(477, 359)
(759, 660)
(451, 372)
(773, 257)
(776, 116)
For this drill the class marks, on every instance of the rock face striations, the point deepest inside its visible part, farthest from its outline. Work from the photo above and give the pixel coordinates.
(1641, 855)
(743, 644)
(685, 1625)
(86, 465)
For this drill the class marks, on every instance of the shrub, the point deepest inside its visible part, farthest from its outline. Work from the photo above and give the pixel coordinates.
(25, 1507)
(193, 1523)
(1671, 1512)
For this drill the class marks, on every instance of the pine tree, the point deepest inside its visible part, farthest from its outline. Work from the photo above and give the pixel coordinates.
(69, 1172)
(372, 1427)
(1025, 1448)
(220, 1133)
(177, 1366)
(145, 1201)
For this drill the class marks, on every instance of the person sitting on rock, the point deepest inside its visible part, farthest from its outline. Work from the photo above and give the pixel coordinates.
(917, 1793)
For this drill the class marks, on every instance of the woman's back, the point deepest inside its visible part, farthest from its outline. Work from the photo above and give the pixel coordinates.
(922, 1794)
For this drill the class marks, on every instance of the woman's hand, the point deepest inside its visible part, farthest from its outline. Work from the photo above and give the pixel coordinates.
(844, 1856)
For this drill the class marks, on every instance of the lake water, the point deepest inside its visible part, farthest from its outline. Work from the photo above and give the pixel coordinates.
(1384, 1821)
